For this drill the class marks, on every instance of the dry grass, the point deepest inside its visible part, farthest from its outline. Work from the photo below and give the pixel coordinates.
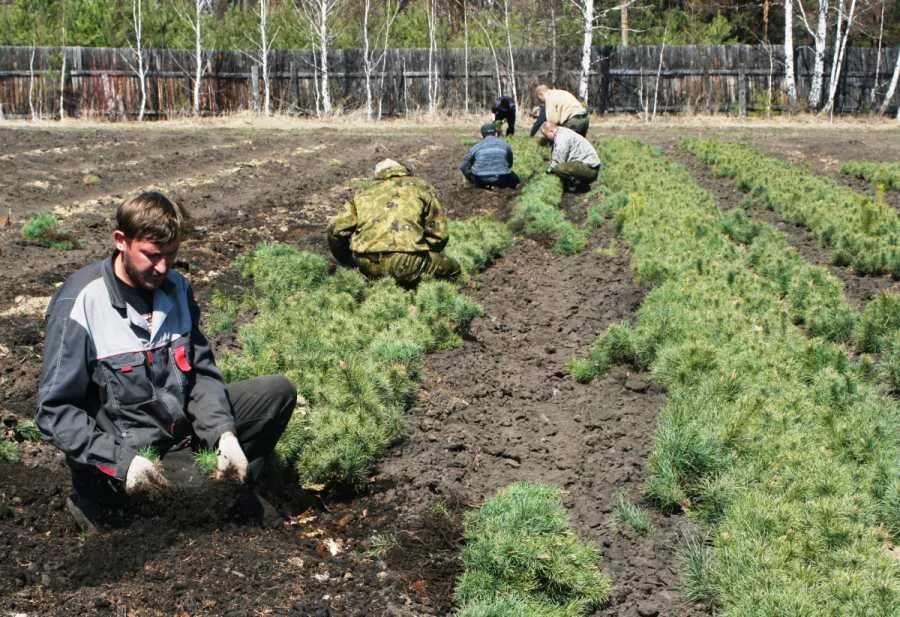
(357, 122)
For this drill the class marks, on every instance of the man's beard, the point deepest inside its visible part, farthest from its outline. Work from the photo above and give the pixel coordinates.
(143, 280)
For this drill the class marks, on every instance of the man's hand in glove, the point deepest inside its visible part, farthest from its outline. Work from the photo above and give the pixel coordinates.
(144, 476)
(232, 462)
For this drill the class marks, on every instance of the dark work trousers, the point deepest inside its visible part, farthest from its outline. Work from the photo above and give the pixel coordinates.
(508, 181)
(261, 408)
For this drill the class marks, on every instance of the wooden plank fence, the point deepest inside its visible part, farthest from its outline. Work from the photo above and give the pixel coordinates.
(733, 79)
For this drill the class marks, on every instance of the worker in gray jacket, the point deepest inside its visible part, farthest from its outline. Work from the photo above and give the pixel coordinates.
(127, 370)
(489, 162)
(573, 158)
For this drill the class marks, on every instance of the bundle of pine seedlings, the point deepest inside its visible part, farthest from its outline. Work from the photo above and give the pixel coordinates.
(522, 559)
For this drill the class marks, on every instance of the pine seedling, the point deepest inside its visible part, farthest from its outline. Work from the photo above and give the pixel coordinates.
(633, 515)
(520, 544)
(697, 572)
(879, 322)
(149, 453)
(206, 460)
(9, 451)
(27, 431)
(43, 230)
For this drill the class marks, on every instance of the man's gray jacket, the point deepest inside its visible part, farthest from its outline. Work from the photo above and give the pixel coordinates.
(112, 383)
(570, 147)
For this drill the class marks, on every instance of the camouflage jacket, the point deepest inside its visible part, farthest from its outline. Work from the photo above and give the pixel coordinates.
(398, 214)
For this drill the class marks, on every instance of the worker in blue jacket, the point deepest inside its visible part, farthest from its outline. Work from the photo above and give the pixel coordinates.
(489, 162)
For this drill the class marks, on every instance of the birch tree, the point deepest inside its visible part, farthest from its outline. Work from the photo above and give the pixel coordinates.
(137, 50)
(487, 36)
(196, 23)
(265, 47)
(586, 7)
(509, 49)
(790, 83)
(840, 52)
(874, 90)
(432, 61)
(820, 40)
(892, 87)
(373, 58)
(317, 13)
(465, 55)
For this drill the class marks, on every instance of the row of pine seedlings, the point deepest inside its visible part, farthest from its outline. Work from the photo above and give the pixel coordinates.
(355, 348)
(778, 438)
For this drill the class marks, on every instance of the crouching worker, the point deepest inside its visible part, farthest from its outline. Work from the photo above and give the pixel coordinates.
(573, 158)
(395, 227)
(489, 162)
(126, 368)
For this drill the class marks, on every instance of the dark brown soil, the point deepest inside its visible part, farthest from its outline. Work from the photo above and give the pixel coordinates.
(498, 409)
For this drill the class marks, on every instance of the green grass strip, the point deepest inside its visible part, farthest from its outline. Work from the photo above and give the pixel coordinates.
(536, 211)
(883, 174)
(862, 233)
(522, 559)
(785, 448)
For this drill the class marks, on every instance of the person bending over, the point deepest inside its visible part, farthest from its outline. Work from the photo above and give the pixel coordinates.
(563, 109)
(395, 227)
(573, 158)
(505, 111)
(489, 162)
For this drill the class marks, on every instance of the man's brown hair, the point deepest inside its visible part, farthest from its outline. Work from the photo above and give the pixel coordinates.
(151, 216)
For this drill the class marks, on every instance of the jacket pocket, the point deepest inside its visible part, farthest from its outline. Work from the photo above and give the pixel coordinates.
(129, 383)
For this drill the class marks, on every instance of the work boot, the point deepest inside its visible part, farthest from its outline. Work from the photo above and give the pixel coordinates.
(90, 516)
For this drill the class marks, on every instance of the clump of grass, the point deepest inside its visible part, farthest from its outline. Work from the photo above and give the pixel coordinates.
(633, 515)
(9, 451)
(224, 311)
(206, 460)
(536, 213)
(43, 230)
(618, 345)
(880, 174)
(522, 558)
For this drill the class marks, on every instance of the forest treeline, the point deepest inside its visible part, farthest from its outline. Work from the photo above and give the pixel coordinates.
(233, 24)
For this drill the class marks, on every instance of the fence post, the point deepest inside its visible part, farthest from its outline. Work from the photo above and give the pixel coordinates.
(742, 92)
(295, 87)
(254, 87)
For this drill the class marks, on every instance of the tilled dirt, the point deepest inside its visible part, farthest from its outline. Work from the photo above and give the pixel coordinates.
(498, 409)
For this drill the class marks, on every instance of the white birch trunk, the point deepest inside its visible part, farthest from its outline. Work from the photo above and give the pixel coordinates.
(553, 44)
(496, 60)
(31, 84)
(790, 84)
(587, 12)
(820, 41)
(432, 64)
(466, 56)
(137, 13)
(265, 44)
(662, 49)
(874, 91)
(892, 87)
(62, 86)
(367, 62)
(512, 64)
(391, 15)
(840, 53)
(198, 55)
(323, 55)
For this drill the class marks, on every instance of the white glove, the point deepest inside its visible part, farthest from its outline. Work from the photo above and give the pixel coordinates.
(143, 475)
(232, 462)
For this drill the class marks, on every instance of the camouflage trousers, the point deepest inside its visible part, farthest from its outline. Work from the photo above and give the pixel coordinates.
(407, 268)
(576, 177)
(579, 124)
